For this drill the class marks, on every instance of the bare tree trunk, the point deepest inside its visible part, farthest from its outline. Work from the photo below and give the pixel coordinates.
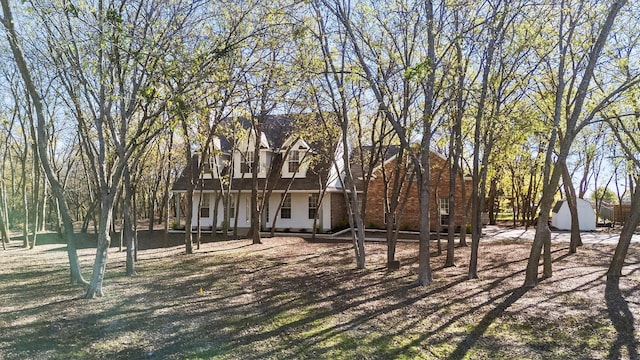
(438, 222)
(7, 22)
(43, 208)
(351, 198)
(167, 194)
(214, 223)
(25, 200)
(199, 217)
(37, 204)
(573, 209)
(188, 240)
(493, 193)
(4, 233)
(127, 230)
(254, 231)
(630, 225)
(465, 217)
(455, 144)
(392, 202)
(477, 193)
(102, 250)
(424, 256)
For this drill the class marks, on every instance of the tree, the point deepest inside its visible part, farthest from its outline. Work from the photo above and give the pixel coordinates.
(569, 104)
(109, 60)
(417, 67)
(23, 67)
(338, 85)
(502, 87)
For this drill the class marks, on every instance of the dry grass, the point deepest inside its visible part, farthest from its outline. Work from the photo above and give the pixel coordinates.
(293, 299)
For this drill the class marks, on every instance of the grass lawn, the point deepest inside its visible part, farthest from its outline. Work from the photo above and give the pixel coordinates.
(294, 299)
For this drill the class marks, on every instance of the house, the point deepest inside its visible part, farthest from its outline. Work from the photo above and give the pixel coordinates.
(306, 182)
(408, 216)
(561, 215)
(304, 185)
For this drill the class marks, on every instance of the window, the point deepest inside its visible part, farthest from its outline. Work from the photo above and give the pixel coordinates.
(246, 162)
(313, 205)
(444, 211)
(293, 161)
(204, 206)
(285, 210)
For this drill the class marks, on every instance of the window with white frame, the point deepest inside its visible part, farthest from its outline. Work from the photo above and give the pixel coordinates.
(293, 161)
(313, 205)
(204, 206)
(444, 211)
(285, 210)
(246, 162)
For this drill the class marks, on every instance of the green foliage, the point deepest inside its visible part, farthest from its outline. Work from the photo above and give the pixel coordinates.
(112, 16)
(419, 70)
(603, 194)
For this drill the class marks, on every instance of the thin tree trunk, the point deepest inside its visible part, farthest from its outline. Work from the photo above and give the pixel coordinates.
(167, 194)
(630, 225)
(465, 217)
(477, 194)
(188, 241)
(455, 144)
(127, 230)
(199, 217)
(4, 233)
(493, 209)
(7, 22)
(573, 209)
(254, 231)
(43, 213)
(25, 201)
(35, 196)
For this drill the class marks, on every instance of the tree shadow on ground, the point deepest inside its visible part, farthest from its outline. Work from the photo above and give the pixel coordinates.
(622, 319)
(478, 331)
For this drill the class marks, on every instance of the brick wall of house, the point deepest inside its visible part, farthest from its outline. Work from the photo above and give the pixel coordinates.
(409, 213)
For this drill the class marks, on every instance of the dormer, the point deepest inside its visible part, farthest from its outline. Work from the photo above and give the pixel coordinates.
(295, 154)
(243, 156)
(217, 162)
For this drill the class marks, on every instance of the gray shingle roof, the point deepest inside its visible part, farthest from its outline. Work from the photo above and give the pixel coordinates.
(276, 128)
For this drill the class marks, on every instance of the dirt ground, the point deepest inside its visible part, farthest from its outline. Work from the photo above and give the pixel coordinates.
(291, 298)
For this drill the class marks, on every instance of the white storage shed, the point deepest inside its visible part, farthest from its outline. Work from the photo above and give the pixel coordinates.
(561, 215)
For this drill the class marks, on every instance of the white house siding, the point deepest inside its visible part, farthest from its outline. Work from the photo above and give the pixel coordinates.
(299, 212)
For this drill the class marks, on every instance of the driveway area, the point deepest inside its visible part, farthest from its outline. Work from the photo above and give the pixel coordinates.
(600, 236)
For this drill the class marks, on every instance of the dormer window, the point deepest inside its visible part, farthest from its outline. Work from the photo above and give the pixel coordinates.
(293, 161)
(246, 163)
